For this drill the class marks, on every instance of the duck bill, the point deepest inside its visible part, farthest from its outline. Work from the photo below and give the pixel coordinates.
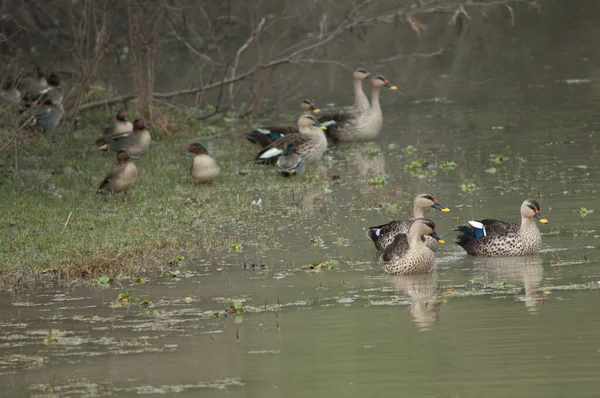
(441, 208)
(435, 236)
(540, 218)
(317, 124)
(314, 109)
(390, 86)
(134, 157)
(145, 126)
(368, 76)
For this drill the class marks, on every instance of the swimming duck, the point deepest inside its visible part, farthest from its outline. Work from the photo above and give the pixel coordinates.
(290, 163)
(310, 142)
(408, 254)
(363, 126)
(205, 167)
(46, 115)
(136, 142)
(383, 235)
(492, 237)
(267, 135)
(122, 178)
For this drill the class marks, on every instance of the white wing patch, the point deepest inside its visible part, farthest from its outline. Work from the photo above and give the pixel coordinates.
(478, 225)
(271, 153)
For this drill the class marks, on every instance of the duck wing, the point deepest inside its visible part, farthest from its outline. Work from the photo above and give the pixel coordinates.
(383, 235)
(499, 227)
(272, 152)
(267, 135)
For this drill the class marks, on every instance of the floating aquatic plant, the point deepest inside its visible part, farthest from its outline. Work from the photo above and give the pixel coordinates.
(378, 180)
(52, 338)
(176, 261)
(235, 247)
(583, 212)
(408, 149)
(470, 187)
(445, 165)
(328, 264)
(103, 282)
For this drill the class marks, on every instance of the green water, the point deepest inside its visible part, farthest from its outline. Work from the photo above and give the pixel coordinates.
(473, 328)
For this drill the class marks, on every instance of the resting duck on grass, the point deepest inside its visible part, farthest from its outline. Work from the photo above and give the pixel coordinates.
(310, 142)
(122, 178)
(267, 135)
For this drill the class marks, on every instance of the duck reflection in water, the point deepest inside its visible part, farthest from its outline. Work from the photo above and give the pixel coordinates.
(521, 271)
(423, 293)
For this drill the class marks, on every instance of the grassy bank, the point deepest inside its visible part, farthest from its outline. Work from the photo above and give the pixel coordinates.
(53, 222)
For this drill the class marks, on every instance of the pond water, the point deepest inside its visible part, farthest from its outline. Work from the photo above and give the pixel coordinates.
(472, 328)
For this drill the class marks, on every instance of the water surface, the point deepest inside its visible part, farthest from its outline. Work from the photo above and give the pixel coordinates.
(472, 328)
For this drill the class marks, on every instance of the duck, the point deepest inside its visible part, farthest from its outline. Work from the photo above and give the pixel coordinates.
(45, 114)
(408, 254)
(310, 142)
(361, 102)
(205, 167)
(267, 135)
(55, 88)
(122, 178)
(383, 235)
(10, 91)
(492, 238)
(120, 126)
(34, 86)
(363, 126)
(290, 163)
(136, 142)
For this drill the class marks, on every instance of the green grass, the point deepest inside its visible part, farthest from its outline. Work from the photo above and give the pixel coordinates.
(53, 222)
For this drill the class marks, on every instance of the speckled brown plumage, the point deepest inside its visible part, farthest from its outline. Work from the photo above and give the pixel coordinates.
(504, 238)
(383, 235)
(408, 254)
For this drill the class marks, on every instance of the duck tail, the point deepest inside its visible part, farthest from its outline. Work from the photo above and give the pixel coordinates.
(373, 233)
(465, 236)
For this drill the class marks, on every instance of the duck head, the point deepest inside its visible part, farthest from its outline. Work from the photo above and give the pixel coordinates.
(123, 156)
(531, 209)
(122, 115)
(425, 201)
(361, 74)
(54, 79)
(308, 105)
(380, 81)
(426, 227)
(197, 148)
(290, 149)
(139, 125)
(310, 121)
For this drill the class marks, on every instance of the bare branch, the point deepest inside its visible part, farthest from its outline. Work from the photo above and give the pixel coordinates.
(411, 56)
